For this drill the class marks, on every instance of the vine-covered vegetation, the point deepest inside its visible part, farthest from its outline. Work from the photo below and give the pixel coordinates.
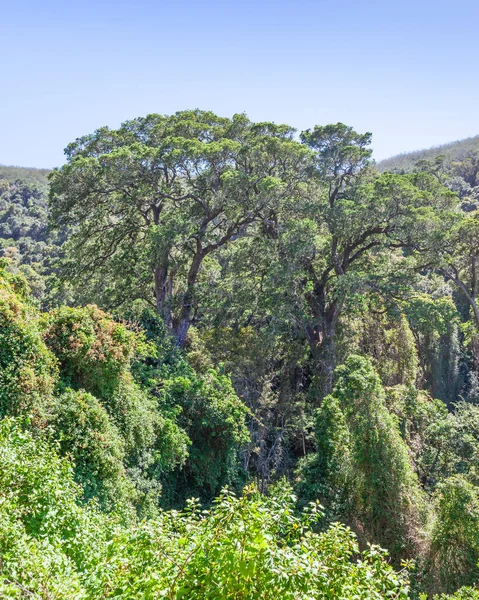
(237, 362)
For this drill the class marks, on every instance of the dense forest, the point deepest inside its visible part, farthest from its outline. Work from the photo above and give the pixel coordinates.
(238, 361)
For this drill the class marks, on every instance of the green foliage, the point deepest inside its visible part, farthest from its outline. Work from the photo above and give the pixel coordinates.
(214, 418)
(243, 265)
(363, 463)
(27, 367)
(434, 322)
(418, 417)
(185, 185)
(326, 474)
(444, 450)
(383, 334)
(88, 435)
(246, 547)
(95, 354)
(455, 535)
(46, 538)
(122, 443)
(266, 372)
(252, 547)
(162, 357)
(342, 153)
(465, 593)
(203, 403)
(93, 350)
(363, 238)
(449, 445)
(25, 238)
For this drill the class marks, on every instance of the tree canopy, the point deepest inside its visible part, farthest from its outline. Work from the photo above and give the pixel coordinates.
(156, 197)
(239, 361)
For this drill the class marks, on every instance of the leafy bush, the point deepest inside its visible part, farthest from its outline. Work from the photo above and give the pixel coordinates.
(46, 537)
(362, 469)
(203, 403)
(455, 535)
(93, 350)
(214, 418)
(125, 429)
(27, 367)
(243, 548)
(88, 435)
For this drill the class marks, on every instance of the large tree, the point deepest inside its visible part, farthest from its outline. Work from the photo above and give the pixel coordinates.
(352, 237)
(458, 259)
(150, 201)
(361, 234)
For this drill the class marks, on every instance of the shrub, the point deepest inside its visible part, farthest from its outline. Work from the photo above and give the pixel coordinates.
(93, 350)
(214, 418)
(244, 547)
(88, 435)
(455, 535)
(46, 537)
(363, 461)
(27, 367)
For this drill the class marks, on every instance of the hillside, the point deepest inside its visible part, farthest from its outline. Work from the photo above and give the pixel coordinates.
(24, 235)
(453, 151)
(29, 174)
(455, 165)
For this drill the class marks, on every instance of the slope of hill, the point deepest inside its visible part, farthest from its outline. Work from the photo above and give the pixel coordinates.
(32, 175)
(453, 151)
(24, 235)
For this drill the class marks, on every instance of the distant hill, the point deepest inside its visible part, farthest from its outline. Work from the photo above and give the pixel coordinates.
(454, 151)
(25, 238)
(30, 175)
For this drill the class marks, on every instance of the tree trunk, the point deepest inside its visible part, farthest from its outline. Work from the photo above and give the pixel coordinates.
(470, 299)
(322, 340)
(180, 331)
(183, 323)
(162, 295)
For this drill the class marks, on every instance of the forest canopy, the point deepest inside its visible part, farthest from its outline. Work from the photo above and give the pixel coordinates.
(239, 361)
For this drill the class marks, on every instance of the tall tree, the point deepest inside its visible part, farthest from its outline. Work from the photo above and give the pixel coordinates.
(360, 232)
(150, 201)
(459, 259)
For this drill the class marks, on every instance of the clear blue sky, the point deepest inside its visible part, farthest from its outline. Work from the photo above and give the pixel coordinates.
(406, 70)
